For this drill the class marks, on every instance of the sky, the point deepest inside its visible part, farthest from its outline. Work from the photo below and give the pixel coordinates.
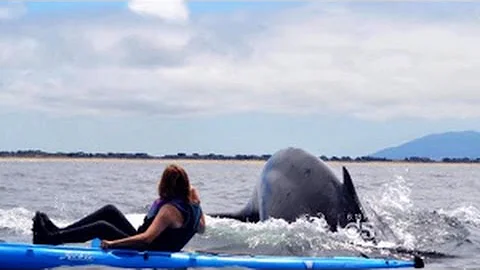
(231, 77)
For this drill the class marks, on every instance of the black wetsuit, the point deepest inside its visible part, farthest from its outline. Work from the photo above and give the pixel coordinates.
(109, 223)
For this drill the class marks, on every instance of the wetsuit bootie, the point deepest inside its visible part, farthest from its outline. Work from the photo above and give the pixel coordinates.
(43, 236)
(40, 235)
(49, 225)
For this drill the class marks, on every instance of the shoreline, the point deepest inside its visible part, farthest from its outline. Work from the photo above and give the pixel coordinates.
(213, 157)
(203, 160)
(133, 160)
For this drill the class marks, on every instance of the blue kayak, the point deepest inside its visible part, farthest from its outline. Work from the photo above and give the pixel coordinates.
(30, 256)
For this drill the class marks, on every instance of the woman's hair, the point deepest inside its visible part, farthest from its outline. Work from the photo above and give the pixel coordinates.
(174, 184)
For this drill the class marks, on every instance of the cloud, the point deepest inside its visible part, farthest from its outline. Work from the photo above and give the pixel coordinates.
(313, 59)
(170, 10)
(11, 10)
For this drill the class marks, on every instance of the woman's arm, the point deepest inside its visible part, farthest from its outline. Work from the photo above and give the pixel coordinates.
(168, 216)
(195, 198)
(202, 225)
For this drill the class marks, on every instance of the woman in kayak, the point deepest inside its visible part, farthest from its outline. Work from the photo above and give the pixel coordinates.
(171, 222)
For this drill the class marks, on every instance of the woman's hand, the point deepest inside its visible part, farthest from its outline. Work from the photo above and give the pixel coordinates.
(105, 244)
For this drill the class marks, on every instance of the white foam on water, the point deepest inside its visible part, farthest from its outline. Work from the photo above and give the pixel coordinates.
(17, 219)
(304, 235)
(465, 213)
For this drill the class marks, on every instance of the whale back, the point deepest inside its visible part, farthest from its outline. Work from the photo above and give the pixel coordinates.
(295, 183)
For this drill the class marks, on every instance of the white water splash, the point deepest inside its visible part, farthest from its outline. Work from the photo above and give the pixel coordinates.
(466, 213)
(396, 195)
(392, 211)
(304, 236)
(16, 219)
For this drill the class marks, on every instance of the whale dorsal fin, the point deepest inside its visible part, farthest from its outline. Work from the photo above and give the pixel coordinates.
(351, 194)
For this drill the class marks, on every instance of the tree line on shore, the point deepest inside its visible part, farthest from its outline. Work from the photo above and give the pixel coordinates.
(212, 156)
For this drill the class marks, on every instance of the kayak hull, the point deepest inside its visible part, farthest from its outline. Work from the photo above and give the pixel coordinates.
(29, 256)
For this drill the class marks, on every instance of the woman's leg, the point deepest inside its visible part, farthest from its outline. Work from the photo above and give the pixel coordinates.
(79, 234)
(108, 213)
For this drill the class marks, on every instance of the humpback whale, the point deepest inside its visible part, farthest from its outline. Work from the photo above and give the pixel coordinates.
(295, 183)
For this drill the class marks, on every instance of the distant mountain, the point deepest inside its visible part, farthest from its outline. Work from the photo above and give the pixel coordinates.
(464, 144)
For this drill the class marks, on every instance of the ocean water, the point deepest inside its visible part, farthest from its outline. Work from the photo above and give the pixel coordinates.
(430, 208)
